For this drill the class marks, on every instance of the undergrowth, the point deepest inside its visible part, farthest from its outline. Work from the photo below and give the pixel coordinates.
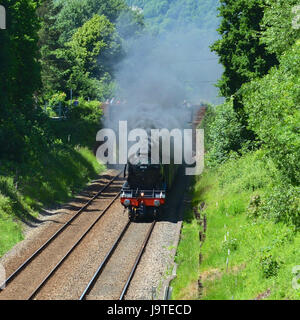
(251, 246)
(54, 178)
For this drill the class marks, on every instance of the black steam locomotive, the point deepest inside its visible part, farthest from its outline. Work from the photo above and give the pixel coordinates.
(144, 193)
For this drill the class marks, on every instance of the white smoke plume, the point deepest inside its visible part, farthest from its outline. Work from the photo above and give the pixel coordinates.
(160, 72)
(162, 77)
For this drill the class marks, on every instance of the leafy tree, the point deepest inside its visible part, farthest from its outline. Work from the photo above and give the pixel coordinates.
(272, 104)
(223, 135)
(53, 77)
(278, 32)
(67, 63)
(75, 13)
(168, 15)
(130, 23)
(91, 53)
(20, 76)
(241, 53)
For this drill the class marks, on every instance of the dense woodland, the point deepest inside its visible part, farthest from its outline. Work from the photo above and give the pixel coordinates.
(56, 51)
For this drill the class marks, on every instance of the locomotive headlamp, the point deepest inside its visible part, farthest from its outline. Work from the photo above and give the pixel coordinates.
(126, 203)
(156, 203)
(142, 194)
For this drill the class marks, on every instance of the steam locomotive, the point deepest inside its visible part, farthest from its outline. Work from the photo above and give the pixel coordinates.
(145, 190)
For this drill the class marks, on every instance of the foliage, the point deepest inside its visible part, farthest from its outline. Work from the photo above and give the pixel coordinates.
(20, 76)
(96, 41)
(269, 265)
(167, 15)
(51, 65)
(262, 251)
(86, 111)
(230, 244)
(241, 53)
(282, 203)
(277, 30)
(130, 23)
(272, 104)
(223, 135)
(75, 13)
(81, 42)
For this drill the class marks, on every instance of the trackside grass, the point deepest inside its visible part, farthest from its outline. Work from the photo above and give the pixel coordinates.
(244, 256)
(57, 175)
(187, 258)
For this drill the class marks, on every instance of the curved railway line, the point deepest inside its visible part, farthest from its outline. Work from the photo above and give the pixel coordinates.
(50, 274)
(84, 259)
(121, 258)
(56, 237)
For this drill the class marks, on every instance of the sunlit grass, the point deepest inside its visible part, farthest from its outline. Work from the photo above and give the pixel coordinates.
(58, 176)
(243, 258)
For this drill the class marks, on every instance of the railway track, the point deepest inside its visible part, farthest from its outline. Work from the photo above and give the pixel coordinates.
(42, 250)
(123, 286)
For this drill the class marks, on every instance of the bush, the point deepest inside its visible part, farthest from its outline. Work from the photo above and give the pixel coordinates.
(86, 111)
(282, 203)
(224, 135)
(269, 265)
(230, 244)
(272, 104)
(267, 195)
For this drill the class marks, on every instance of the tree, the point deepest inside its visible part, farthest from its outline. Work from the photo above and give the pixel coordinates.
(241, 53)
(52, 74)
(69, 63)
(92, 52)
(278, 33)
(168, 15)
(272, 104)
(19, 74)
(75, 13)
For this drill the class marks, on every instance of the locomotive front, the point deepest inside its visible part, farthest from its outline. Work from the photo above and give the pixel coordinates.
(144, 192)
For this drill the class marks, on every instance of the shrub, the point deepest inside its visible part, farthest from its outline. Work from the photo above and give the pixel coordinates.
(282, 203)
(86, 111)
(230, 244)
(224, 136)
(268, 263)
(272, 104)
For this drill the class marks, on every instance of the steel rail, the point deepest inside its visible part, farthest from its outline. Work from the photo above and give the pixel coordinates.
(51, 273)
(103, 264)
(137, 261)
(58, 232)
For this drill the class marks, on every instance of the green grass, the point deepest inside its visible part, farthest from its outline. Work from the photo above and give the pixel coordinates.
(262, 252)
(10, 231)
(187, 259)
(54, 178)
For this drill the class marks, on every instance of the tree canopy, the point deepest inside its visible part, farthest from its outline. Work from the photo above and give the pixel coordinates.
(91, 53)
(20, 75)
(241, 53)
(164, 15)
